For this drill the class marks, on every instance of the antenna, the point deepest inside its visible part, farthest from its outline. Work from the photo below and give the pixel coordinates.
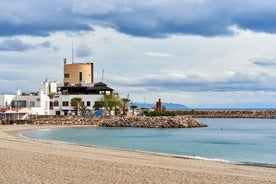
(72, 52)
(102, 75)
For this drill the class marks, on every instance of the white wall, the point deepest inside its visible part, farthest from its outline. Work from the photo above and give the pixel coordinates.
(61, 98)
(49, 87)
(5, 100)
(39, 103)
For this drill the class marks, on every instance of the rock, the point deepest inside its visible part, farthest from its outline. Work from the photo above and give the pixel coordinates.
(138, 122)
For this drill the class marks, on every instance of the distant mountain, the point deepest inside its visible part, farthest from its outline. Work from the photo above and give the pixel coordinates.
(169, 106)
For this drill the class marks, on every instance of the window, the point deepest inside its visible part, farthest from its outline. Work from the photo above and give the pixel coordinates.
(80, 76)
(88, 103)
(65, 103)
(19, 103)
(32, 104)
(56, 104)
(66, 75)
(51, 105)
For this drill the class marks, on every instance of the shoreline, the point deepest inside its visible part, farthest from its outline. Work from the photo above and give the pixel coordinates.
(26, 156)
(18, 133)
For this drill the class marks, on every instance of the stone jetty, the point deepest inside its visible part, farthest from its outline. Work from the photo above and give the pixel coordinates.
(138, 122)
(262, 114)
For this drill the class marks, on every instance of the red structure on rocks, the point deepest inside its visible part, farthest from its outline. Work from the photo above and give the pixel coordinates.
(158, 107)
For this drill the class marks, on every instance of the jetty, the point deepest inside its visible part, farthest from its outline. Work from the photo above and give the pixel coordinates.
(138, 122)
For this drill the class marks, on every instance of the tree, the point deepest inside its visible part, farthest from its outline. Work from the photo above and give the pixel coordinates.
(51, 95)
(98, 105)
(133, 107)
(125, 104)
(84, 110)
(111, 101)
(76, 103)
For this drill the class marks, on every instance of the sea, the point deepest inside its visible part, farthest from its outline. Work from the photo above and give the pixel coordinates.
(242, 141)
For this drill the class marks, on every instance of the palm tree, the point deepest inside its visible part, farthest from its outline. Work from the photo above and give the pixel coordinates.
(133, 107)
(110, 101)
(76, 103)
(125, 104)
(84, 110)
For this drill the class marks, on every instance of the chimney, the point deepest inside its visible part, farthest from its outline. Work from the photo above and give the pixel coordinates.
(64, 60)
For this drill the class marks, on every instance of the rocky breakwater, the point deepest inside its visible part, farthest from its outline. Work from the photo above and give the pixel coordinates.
(138, 122)
(266, 114)
(153, 122)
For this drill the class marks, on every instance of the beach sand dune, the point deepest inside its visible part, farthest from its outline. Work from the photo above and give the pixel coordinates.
(24, 160)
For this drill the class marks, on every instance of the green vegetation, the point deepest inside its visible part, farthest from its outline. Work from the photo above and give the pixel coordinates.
(125, 104)
(111, 102)
(51, 95)
(76, 103)
(133, 107)
(84, 110)
(169, 113)
(98, 105)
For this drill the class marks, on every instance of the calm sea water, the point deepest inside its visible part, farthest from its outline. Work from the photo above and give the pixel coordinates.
(236, 140)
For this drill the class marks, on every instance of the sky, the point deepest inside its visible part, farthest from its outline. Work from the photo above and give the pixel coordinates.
(200, 53)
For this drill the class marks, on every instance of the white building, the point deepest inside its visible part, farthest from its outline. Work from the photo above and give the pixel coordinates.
(49, 87)
(89, 93)
(5, 100)
(61, 104)
(37, 103)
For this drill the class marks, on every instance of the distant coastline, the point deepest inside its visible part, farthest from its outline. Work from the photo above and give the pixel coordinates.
(176, 106)
(264, 114)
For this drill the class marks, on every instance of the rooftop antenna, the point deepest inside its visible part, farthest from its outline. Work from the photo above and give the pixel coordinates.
(102, 75)
(72, 52)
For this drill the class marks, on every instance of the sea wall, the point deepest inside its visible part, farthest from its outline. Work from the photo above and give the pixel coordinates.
(139, 122)
(265, 114)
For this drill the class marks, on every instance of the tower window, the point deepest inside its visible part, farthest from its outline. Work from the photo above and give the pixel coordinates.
(80, 76)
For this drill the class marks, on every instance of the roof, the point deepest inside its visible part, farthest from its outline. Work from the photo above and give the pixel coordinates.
(100, 86)
(25, 110)
(96, 89)
(5, 109)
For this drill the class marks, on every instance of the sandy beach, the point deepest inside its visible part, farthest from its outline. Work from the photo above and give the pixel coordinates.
(24, 160)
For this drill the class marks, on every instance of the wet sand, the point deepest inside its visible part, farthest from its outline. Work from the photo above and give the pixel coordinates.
(24, 160)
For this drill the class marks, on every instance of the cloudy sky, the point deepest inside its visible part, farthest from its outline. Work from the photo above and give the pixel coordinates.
(201, 53)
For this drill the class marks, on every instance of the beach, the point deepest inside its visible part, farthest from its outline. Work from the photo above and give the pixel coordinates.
(25, 160)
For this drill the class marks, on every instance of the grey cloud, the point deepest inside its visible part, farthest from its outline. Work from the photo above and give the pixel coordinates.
(197, 83)
(39, 18)
(45, 44)
(264, 62)
(151, 18)
(19, 46)
(15, 45)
